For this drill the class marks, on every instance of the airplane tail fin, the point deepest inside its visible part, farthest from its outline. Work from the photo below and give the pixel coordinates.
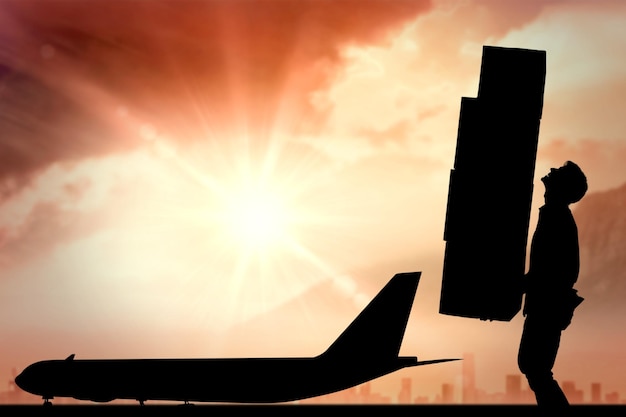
(378, 330)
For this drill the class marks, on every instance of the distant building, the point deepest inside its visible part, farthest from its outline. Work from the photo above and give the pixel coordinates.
(379, 399)
(612, 398)
(483, 397)
(513, 389)
(355, 395)
(421, 399)
(365, 394)
(468, 395)
(447, 394)
(15, 395)
(596, 393)
(404, 396)
(528, 396)
(574, 396)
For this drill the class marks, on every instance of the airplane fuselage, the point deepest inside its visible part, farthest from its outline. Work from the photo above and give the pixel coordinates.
(248, 380)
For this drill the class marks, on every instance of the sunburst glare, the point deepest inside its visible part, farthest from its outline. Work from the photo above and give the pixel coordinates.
(256, 219)
(253, 222)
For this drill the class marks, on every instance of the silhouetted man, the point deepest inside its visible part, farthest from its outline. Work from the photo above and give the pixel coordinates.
(550, 297)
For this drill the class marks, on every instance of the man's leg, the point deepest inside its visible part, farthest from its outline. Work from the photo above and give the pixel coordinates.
(537, 353)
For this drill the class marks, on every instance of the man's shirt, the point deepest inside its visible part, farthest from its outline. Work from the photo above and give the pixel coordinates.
(554, 260)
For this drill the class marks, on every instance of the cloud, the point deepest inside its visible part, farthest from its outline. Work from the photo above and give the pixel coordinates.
(41, 125)
(585, 85)
(601, 160)
(45, 227)
(408, 92)
(396, 133)
(188, 68)
(68, 203)
(450, 38)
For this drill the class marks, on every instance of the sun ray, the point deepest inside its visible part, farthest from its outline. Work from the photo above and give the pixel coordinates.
(245, 224)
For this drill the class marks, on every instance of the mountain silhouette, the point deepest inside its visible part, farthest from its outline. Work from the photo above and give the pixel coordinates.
(601, 220)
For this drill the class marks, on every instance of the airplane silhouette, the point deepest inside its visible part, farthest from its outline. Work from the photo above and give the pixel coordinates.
(367, 349)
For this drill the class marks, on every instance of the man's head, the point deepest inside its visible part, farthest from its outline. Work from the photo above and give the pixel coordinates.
(567, 184)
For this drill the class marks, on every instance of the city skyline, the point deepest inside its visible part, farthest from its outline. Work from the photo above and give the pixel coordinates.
(516, 391)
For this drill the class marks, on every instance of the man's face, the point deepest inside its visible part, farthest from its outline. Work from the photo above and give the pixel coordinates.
(555, 176)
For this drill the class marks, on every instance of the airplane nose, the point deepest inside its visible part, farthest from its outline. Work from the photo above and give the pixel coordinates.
(30, 381)
(19, 381)
(24, 382)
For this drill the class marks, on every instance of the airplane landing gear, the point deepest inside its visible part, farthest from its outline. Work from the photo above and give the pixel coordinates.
(46, 402)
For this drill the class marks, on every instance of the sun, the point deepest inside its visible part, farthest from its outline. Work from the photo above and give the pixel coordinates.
(247, 226)
(256, 218)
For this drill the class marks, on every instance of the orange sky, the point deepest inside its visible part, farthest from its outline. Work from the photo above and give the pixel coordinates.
(132, 132)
